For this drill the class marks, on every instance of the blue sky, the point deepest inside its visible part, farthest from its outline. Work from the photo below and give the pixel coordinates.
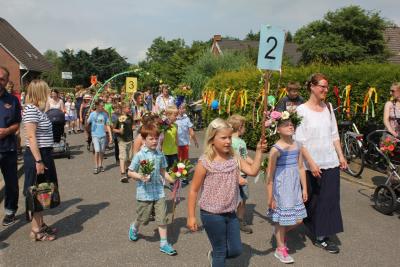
(131, 25)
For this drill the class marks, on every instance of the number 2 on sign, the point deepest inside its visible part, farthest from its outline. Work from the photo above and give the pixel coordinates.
(268, 55)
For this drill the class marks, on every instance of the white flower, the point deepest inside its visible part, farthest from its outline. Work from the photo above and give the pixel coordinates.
(180, 166)
(147, 73)
(285, 115)
(136, 70)
(178, 174)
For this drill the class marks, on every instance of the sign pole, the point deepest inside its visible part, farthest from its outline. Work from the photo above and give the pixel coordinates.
(267, 76)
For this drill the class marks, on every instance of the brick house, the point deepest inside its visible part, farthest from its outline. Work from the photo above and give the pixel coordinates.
(24, 62)
(392, 38)
(220, 45)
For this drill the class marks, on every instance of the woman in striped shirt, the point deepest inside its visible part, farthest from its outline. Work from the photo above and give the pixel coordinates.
(38, 160)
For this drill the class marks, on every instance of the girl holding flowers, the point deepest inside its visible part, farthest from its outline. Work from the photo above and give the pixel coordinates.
(217, 175)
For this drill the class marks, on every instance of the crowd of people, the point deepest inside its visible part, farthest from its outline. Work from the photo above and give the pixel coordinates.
(303, 172)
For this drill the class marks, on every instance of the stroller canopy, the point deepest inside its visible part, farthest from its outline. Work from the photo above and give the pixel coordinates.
(56, 116)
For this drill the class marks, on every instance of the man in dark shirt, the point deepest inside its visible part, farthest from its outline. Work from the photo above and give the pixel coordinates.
(10, 118)
(292, 100)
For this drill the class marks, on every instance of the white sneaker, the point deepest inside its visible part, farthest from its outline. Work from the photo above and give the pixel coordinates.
(283, 255)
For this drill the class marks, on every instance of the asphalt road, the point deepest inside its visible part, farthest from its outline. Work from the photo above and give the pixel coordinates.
(96, 211)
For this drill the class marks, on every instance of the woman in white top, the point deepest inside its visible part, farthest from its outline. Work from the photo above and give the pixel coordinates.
(318, 133)
(55, 102)
(164, 99)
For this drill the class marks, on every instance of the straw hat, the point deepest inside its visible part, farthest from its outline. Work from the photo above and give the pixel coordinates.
(87, 96)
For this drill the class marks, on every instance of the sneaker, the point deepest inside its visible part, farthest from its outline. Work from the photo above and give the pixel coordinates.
(283, 255)
(133, 235)
(124, 178)
(209, 257)
(95, 170)
(101, 169)
(245, 228)
(328, 245)
(9, 219)
(168, 249)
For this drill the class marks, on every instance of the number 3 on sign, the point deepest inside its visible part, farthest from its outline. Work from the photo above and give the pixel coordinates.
(270, 49)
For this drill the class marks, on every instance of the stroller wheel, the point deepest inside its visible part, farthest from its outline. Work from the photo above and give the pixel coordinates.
(385, 199)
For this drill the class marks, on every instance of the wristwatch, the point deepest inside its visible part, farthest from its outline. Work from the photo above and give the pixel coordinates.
(39, 161)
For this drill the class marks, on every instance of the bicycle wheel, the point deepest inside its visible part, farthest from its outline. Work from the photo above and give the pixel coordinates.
(354, 155)
(385, 199)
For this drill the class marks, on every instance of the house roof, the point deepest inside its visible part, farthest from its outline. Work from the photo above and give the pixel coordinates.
(392, 38)
(23, 52)
(289, 50)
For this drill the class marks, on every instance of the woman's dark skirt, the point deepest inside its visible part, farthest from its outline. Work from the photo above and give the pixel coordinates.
(50, 174)
(323, 205)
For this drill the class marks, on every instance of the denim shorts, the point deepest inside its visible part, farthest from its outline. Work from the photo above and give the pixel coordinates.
(99, 143)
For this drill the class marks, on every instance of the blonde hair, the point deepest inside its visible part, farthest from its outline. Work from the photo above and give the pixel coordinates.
(395, 85)
(171, 110)
(212, 130)
(236, 121)
(37, 93)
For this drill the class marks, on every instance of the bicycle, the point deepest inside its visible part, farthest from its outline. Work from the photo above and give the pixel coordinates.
(352, 145)
(195, 110)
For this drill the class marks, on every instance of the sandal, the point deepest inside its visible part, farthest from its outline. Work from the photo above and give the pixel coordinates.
(47, 229)
(41, 236)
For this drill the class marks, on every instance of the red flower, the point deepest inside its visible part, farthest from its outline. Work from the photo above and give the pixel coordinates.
(143, 162)
(390, 148)
(175, 169)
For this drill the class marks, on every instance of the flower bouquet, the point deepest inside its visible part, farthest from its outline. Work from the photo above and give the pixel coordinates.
(181, 170)
(163, 122)
(146, 167)
(388, 146)
(122, 119)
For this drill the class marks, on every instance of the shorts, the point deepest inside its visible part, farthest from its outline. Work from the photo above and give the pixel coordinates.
(144, 209)
(183, 152)
(125, 150)
(244, 191)
(99, 143)
(70, 117)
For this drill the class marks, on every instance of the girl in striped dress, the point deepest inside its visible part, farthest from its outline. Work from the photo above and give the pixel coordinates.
(286, 196)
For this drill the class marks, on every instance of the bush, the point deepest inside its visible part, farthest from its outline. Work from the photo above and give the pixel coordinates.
(360, 76)
(209, 65)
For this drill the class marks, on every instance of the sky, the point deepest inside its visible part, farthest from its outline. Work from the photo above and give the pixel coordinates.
(130, 26)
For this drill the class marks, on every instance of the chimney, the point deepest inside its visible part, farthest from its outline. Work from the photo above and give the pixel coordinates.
(217, 37)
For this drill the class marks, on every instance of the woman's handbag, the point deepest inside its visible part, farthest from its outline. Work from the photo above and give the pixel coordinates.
(40, 197)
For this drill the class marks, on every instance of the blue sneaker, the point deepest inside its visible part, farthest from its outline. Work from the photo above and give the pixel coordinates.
(168, 249)
(133, 235)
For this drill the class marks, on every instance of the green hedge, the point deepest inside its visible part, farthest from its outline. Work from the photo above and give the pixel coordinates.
(360, 76)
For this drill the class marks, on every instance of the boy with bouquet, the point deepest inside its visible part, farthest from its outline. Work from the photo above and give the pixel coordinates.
(148, 168)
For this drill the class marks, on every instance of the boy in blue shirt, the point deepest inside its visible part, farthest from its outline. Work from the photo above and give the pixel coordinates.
(150, 189)
(99, 124)
(185, 133)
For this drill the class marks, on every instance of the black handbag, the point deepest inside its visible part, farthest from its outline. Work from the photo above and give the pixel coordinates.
(40, 197)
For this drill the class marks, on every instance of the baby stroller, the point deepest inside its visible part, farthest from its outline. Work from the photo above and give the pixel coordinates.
(387, 195)
(60, 147)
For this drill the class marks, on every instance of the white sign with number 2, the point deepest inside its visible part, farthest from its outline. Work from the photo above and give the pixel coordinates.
(272, 40)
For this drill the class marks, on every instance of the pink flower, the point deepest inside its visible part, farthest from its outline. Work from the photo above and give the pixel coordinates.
(268, 123)
(276, 115)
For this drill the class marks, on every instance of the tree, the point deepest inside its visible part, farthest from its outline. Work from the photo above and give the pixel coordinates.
(251, 36)
(347, 34)
(169, 60)
(101, 62)
(53, 77)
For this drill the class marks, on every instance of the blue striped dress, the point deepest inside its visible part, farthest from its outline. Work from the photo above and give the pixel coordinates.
(287, 189)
